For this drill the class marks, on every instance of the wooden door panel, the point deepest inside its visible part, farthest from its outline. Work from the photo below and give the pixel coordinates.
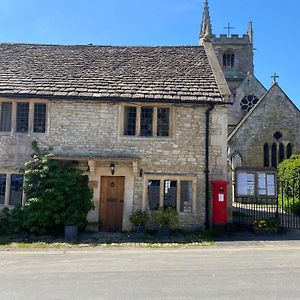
(112, 203)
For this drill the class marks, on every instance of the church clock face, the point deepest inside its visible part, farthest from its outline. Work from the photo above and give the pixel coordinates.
(248, 102)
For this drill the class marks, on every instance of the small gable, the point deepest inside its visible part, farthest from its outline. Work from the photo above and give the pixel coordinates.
(273, 114)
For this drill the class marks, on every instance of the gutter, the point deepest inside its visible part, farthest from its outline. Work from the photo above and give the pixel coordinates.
(206, 171)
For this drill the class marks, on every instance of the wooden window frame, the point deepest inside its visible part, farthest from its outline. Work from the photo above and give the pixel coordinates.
(31, 102)
(178, 179)
(154, 120)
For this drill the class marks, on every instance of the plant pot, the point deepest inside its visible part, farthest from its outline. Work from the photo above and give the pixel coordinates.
(71, 232)
(140, 229)
(163, 230)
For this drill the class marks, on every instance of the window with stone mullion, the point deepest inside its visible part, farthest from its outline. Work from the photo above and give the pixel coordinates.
(163, 120)
(5, 118)
(146, 121)
(39, 124)
(22, 117)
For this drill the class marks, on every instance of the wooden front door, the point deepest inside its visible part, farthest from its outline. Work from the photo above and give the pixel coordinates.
(112, 203)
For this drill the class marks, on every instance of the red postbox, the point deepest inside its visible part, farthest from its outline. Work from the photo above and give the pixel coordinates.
(219, 194)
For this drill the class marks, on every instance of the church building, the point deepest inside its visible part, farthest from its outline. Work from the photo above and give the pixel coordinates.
(263, 124)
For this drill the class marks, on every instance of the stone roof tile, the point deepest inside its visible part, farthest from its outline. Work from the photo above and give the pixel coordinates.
(179, 73)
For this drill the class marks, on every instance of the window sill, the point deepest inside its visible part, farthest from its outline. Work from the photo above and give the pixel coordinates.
(155, 138)
(22, 133)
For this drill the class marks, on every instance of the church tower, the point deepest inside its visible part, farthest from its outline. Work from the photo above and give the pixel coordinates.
(235, 55)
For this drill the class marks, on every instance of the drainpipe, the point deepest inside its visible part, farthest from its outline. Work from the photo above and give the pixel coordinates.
(207, 202)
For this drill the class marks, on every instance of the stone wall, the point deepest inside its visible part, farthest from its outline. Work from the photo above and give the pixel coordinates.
(90, 128)
(274, 113)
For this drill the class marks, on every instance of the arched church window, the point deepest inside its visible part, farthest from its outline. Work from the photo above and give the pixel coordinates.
(266, 155)
(289, 151)
(228, 59)
(274, 155)
(281, 152)
(248, 102)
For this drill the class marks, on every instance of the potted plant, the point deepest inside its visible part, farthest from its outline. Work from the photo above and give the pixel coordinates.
(165, 219)
(266, 226)
(139, 219)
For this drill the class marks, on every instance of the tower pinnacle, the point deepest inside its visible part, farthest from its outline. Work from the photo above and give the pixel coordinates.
(250, 32)
(206, 30)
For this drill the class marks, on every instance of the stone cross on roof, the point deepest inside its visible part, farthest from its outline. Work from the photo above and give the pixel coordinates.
(275, 77)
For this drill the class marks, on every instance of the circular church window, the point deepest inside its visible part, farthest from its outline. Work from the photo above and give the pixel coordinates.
(248, 102)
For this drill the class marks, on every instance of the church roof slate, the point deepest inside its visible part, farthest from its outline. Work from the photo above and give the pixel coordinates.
(171, 73)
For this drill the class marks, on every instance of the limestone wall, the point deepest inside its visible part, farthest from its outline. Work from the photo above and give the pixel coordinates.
(89, 128)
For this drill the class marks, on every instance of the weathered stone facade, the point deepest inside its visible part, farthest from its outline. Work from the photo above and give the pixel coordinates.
(92, 129)
(274, 112)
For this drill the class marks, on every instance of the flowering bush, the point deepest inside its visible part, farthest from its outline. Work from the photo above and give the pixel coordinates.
(266, 223)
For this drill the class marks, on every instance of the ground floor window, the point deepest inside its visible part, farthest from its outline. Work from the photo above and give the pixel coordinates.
(11, 189)
(177, 193)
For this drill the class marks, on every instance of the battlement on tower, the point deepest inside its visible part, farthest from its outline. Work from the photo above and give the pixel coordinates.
(232, 39)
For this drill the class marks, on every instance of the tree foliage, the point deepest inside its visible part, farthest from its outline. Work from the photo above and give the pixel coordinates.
(289, 174)
(57, 195)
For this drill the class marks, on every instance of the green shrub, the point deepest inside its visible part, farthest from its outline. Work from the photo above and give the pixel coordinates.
(57, 195)
(289, 174)
(168, 217)
(139, 218)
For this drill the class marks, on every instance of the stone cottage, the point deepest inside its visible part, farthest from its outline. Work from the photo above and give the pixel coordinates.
(147, 124)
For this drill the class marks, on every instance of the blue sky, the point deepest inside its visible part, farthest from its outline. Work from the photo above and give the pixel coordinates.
(162, 22)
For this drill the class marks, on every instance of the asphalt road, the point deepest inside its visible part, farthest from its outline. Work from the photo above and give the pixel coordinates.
(258, 271)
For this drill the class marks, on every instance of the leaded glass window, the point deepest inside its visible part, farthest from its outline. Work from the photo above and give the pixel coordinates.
(186, 196)
(146, 121)
(16, 189)
(2, 188)
(153, 194)
(274, 155)
(163, 117)
(170, 194)
(130, 120)
(22, 117)
(5, 121)
(39, 124)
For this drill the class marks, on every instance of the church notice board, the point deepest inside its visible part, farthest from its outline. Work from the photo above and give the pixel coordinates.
(256, 182)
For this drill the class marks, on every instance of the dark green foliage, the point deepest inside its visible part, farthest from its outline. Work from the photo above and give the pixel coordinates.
(168, 217)
(57, 195)
(139, 218)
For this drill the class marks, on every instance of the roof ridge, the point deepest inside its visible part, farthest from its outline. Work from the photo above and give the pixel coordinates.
(103, 46)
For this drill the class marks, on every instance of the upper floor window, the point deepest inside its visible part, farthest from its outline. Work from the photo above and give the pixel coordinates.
(16, 116)
(146, 121)
(228, 60)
